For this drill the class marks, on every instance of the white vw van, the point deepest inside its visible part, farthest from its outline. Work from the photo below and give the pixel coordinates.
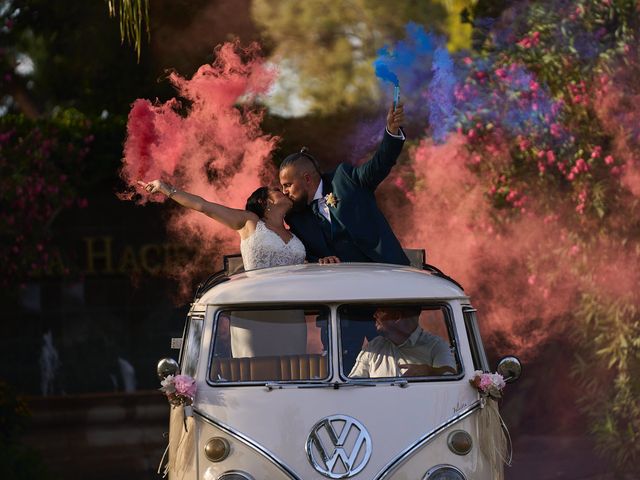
(354, 370)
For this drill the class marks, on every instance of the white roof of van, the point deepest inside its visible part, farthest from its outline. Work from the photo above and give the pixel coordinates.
(342, 282)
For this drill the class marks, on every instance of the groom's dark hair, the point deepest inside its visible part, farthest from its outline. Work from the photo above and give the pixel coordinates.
(257, 201)
(302, 155)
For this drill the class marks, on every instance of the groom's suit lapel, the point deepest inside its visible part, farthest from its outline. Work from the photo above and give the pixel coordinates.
(327, 188)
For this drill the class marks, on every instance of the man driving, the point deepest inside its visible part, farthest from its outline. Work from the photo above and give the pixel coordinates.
(403, 348)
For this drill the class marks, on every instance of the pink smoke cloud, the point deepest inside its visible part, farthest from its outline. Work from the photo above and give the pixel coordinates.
(525, 273)
(208, 142)
(617, 104)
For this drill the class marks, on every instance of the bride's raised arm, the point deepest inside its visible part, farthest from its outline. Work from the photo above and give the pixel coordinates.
(230, 217)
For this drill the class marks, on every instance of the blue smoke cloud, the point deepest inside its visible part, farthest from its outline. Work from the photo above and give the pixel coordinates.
(407, 63)
(441, 95)
(437, 94)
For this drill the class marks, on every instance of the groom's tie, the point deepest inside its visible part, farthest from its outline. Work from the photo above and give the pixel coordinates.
(324, 223)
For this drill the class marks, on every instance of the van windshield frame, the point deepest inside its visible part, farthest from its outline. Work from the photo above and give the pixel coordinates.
(452, 333)
(327, 344)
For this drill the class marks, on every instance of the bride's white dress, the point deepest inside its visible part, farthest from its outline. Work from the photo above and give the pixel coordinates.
(269, 332)
(265, 248)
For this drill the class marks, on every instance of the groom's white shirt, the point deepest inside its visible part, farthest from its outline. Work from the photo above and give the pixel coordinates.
(322, 203)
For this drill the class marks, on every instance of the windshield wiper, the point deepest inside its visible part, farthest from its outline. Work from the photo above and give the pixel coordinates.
(335, 385)
(399, 383)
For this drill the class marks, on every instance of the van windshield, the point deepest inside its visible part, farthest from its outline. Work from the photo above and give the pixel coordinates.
(391, 341)
(271, 345)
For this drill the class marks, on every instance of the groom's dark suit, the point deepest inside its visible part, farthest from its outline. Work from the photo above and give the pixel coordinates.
(358, 231)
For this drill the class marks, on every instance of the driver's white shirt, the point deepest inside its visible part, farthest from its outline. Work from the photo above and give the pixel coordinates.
(381, 357)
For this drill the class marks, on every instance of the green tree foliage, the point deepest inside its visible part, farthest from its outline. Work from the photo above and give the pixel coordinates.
(134, 20)
(608, 370)
(68, 54)
(329, 46)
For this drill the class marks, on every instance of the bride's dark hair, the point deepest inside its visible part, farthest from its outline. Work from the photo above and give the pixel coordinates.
(257, 201)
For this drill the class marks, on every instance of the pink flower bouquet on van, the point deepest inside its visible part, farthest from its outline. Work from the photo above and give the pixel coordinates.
(488, 384)
(179, 389)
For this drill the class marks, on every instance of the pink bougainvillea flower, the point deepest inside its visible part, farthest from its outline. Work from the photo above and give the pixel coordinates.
(551, 157)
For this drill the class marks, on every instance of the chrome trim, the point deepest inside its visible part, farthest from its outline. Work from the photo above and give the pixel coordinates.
(190, 315)
(426, 438)
(450, 324)
(235, 472)
(166, 366)
(249, 443)
(326, 463)
(433, 470)
(510, 368)
(187, 346)
(222, 308)
(475, 339)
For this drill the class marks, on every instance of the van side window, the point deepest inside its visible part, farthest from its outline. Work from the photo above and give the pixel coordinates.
(390, 341)
(475, 341)
(191, 349)
(271, 345)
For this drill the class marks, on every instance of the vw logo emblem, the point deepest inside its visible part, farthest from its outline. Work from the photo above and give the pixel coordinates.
(338, 446)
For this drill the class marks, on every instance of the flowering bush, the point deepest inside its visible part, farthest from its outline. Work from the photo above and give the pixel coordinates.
(531, 92)
(41, 163)
(179, 389)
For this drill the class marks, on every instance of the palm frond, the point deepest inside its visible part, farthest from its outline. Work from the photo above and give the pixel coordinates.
(134, 20)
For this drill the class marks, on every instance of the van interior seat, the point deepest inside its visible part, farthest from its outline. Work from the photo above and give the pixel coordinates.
(273, 368)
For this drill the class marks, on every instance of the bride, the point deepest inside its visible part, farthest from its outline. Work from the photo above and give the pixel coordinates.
(264, 242)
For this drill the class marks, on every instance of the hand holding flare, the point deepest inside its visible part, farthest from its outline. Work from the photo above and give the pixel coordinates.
(395, 118)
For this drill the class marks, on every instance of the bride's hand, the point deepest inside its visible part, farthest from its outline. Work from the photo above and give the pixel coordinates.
(153, 186)
(325, 260)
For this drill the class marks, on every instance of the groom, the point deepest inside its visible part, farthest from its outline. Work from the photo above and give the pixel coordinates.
(335, 214)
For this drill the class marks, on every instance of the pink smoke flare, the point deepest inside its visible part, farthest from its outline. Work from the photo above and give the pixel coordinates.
(208, 142)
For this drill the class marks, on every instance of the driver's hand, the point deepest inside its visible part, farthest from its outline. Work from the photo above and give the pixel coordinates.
(325, 260)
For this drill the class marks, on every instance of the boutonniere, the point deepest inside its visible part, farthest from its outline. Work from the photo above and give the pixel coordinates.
(331, 200)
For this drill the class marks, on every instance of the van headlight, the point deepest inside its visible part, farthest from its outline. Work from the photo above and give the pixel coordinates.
(235, 475)
(443, 472)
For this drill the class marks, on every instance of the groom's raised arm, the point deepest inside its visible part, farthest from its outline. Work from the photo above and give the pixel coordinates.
(371, 173)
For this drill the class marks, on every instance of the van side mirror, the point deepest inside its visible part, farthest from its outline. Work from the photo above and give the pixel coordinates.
(510, 368)
(166, 367)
